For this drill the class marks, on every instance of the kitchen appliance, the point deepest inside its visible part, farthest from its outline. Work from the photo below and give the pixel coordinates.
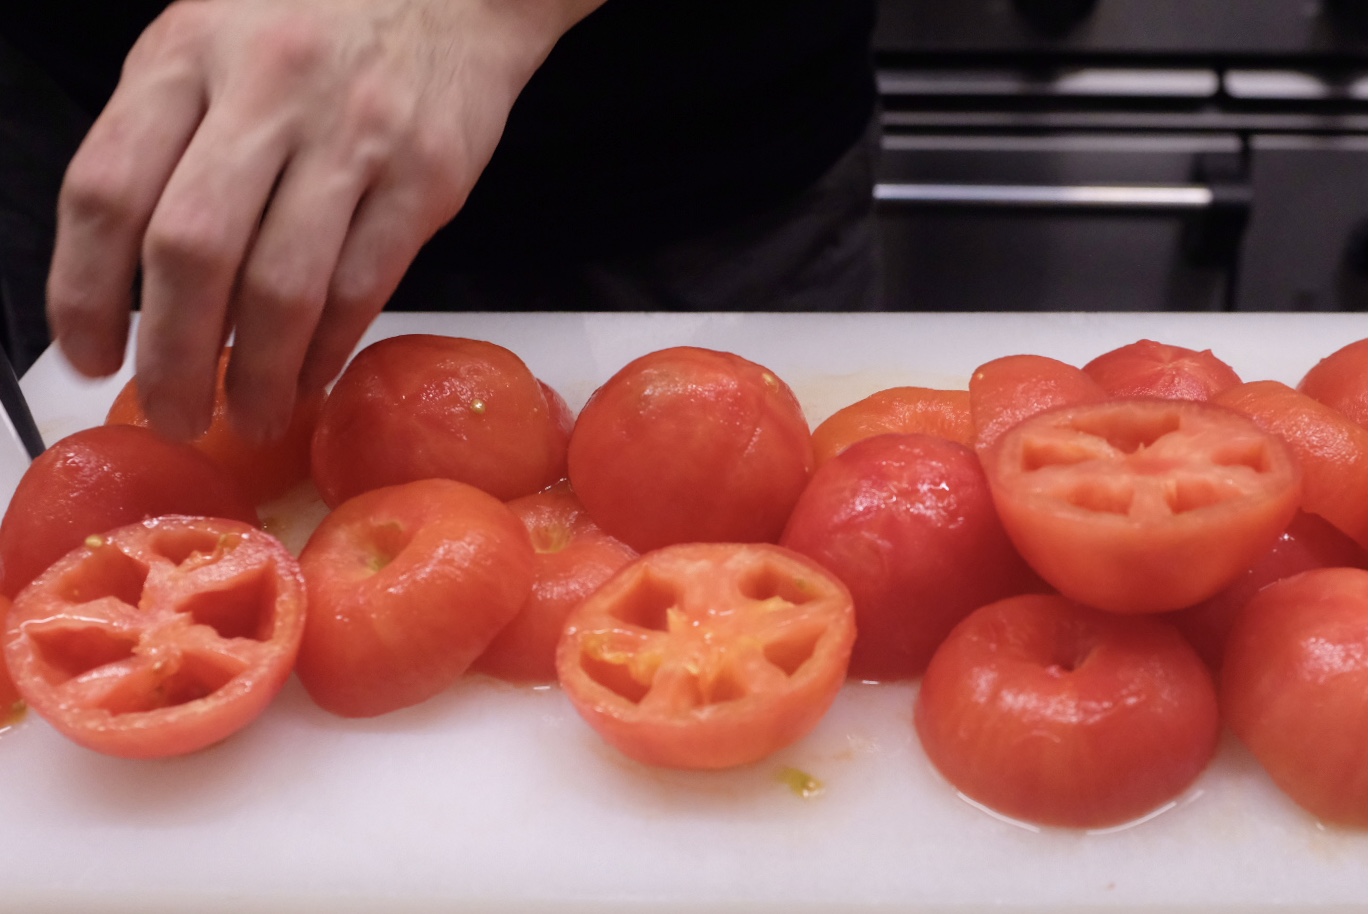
(1104, 155)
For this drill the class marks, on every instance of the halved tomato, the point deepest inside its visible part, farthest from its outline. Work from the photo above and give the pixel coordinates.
(708, 655)
(158, 638)
(1142, 505)
(11, 703)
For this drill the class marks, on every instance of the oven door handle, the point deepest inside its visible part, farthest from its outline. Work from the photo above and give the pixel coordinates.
(1157, 198)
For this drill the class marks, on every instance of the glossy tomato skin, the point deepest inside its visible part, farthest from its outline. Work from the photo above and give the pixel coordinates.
(158, 638)
(407, 585)
(691, 445)
(573, 558)
(1332, 450)
(1142, 505)
(264, 469)
(423, 406)
(1340, 381)
(896, 410)
(11, 703)
(1053, 713)
(907, 523)
(1147, 368)
(1004, 391)
(101, 478)
(708, 655)
(1308, 542)
(1294, 689)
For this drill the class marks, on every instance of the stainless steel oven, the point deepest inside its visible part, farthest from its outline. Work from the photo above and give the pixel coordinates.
(1124, 154)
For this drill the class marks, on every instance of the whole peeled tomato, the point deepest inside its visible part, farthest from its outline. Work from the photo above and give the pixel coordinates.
(422, 406)
(407, 585)
(1340, 381)
(691, 445)
(1294, 689)
(104, 477)
(907, 523)
(1054, 713)
(1310, 541)
(265, 469)
(1147, 368)
(573, 558)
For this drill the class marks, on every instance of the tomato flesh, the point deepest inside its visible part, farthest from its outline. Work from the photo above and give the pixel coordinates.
(158, 638)
(708, 655)
(896, 410)
(1142, 505)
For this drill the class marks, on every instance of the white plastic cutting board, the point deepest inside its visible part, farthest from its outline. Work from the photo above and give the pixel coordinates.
(493, 798)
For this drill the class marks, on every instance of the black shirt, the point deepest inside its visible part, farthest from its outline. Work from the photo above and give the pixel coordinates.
(650, 120)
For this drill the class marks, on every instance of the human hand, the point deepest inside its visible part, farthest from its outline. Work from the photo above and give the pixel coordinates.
(274, 167)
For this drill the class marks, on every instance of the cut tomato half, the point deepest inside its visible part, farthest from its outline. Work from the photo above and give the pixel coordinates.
(158, 638)
(708, 655)
(1142, 505)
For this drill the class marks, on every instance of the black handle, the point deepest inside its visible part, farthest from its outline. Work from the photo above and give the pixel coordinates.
(17, 408)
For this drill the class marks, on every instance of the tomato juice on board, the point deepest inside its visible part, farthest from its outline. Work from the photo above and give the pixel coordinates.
(537, 762)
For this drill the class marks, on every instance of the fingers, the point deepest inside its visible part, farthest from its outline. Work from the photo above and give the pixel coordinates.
(282, 291)
(391, 224)
(192, 253)
(106, 201)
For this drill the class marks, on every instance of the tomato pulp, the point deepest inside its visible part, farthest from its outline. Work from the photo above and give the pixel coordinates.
(1142, 505)
(158, 638)
(708, 655)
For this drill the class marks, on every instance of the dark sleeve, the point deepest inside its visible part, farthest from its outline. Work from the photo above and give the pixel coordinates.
(80, 45)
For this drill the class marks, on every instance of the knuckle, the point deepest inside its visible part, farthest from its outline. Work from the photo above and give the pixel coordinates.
(98, 190)
(291, 297)
(198, 246)
(293, 46)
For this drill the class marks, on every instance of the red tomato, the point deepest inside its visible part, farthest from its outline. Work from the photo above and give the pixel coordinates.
(419, 406)
(903, 410)
(1340, 381)
(1005, 391)
(1332, 450)
(407, 585)
(158, 638)
(708, 655)
(573, 557)
(908, 524)
(266, 469)
(1053, 713)
(691, 445)
(101, 478)
(1149, 369)
(11, 704)
(1294, 689)
(1142, 505)
(1308, 542)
